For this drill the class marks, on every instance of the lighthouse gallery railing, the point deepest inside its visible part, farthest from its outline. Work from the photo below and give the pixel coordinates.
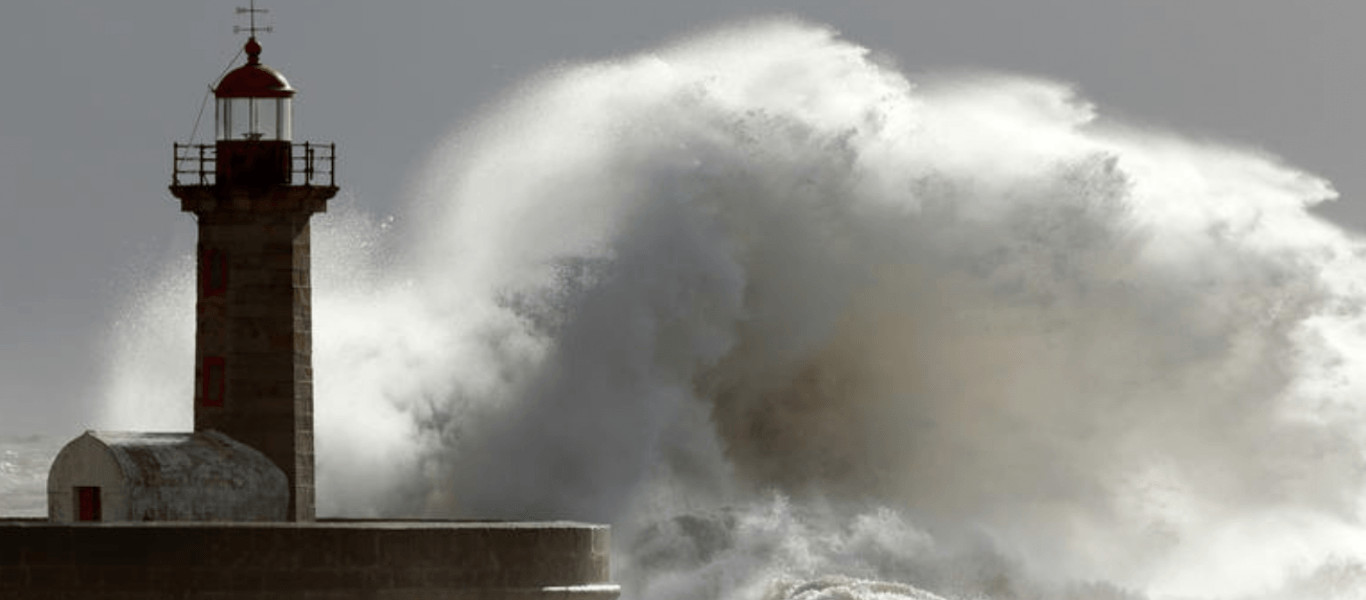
(310, 164)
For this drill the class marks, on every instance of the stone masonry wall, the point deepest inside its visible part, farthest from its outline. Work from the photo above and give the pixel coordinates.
(374, 560)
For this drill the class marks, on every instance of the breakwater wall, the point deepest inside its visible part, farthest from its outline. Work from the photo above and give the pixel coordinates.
(324, 560)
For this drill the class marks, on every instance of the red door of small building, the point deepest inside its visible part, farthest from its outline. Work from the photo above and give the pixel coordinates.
(88, 504)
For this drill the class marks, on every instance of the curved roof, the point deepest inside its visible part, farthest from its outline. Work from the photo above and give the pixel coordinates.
(150, 458)
(253, 80)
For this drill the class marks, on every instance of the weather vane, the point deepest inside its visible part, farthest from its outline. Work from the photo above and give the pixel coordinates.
(251, 11)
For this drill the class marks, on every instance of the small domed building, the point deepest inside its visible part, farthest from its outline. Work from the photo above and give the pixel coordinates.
(132, 476)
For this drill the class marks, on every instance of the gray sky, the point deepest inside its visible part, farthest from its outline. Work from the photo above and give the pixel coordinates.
(94, 93)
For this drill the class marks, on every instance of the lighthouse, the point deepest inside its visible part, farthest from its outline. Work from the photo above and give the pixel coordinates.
(250, 456)
(252, 193)
(197, 514)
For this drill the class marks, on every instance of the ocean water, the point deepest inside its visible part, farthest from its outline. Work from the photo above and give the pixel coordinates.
(801, 325)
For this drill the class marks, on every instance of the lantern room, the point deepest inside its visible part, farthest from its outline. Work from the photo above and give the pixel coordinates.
(254, 123)
(254, 101)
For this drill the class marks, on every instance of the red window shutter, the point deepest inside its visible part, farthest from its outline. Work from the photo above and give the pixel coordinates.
(88, 504)
(214, 383)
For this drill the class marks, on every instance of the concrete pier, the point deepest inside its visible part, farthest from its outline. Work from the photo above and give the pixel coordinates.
(324, 560)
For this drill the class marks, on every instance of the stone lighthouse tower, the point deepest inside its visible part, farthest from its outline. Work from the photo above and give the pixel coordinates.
(252, 193)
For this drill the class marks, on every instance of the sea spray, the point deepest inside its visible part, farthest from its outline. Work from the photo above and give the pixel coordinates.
(799, 327)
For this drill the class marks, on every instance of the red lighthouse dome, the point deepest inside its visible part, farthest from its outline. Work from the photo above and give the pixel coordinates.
(254, 101)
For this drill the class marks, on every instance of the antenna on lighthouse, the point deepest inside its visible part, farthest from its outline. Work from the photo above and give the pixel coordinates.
(251, 28)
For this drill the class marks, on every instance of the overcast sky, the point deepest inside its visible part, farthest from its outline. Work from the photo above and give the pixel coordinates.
(92, 94)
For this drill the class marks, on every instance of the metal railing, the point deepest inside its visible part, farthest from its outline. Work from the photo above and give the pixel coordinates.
(309, 164)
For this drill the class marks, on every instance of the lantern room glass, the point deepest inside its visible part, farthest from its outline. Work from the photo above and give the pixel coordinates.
(255, 119)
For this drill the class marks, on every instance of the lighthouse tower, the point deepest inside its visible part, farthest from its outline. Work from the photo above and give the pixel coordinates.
(252, 193)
